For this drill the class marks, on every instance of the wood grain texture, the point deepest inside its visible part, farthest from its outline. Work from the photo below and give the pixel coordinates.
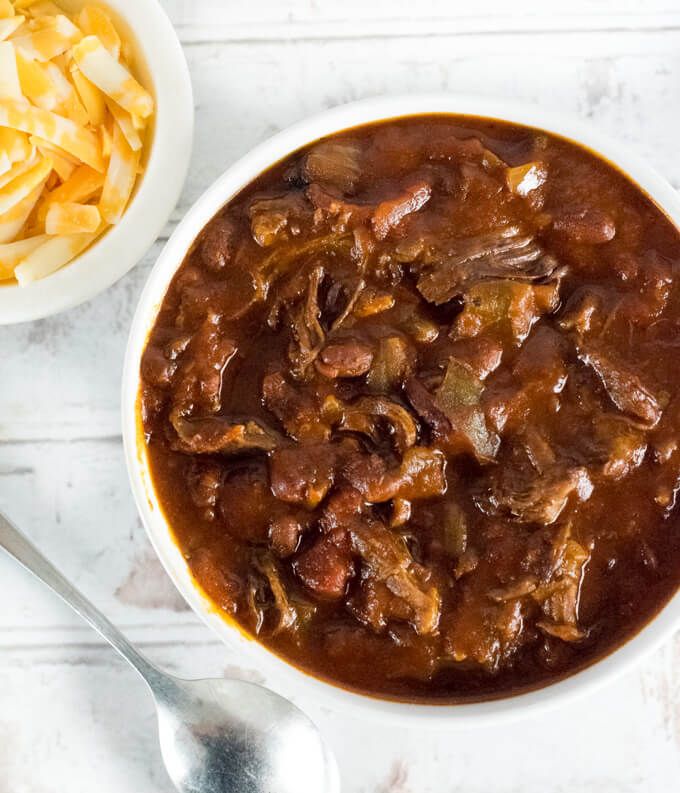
(256, 68)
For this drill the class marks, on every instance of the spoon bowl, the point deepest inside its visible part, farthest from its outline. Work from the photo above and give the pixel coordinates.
(219, 736)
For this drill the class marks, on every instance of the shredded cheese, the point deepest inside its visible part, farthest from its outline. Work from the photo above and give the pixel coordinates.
(73, 118)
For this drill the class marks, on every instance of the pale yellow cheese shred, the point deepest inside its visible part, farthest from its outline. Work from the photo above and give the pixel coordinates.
(10, 88)
(51, 256)
(59, 130)
(120, 178)
(108, 74)
(72, 218)
(9, 25)
(12, 253)
(12, 222)
(94, 21)
(21, 187)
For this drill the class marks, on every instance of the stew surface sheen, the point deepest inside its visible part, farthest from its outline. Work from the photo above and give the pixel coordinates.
(412, 408)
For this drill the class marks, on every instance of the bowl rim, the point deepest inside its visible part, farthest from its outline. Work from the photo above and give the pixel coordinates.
(280, 674)
(122, 246)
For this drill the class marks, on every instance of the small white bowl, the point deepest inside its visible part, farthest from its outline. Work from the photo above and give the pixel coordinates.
(280, 674)
(160, 60)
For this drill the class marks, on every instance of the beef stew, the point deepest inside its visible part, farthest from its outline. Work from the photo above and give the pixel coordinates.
(412, 411)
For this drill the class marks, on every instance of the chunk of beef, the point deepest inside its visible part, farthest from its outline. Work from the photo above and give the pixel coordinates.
(540, 371)
(287, 292)
(486, 634)
(443, 176)
(342, 510)
(296, 257)
(197, 297)
(442, 145)
(421, 474)
(582, 312)
(387, 561)
(197, 389)
(618, 447)
(204, 296)
(559, 596)
(271, 217)
(325, 569)
(389, 214)
(622, 384)
(161, 357)
(331, 206)
(335, 163)
(197, 394)
(533, 497)
(360, 252)
(308, 335)
(530, 484)
(156, 369)
(297, 409)
(376, 606)
(345, 357)
(504, 254)
(585, 226)
(152, 403)
(221, 435)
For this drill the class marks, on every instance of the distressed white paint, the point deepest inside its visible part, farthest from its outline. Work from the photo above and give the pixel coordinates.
(72, 717)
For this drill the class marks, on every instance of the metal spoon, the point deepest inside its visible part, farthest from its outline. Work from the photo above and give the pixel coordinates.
(216, 736)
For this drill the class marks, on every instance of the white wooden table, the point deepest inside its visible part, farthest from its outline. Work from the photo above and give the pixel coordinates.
(72, 716)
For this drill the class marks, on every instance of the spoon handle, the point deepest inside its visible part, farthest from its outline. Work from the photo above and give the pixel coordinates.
(17, 545)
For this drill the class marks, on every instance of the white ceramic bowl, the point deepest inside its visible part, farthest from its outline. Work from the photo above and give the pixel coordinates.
(163, 68)
(281, 675)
